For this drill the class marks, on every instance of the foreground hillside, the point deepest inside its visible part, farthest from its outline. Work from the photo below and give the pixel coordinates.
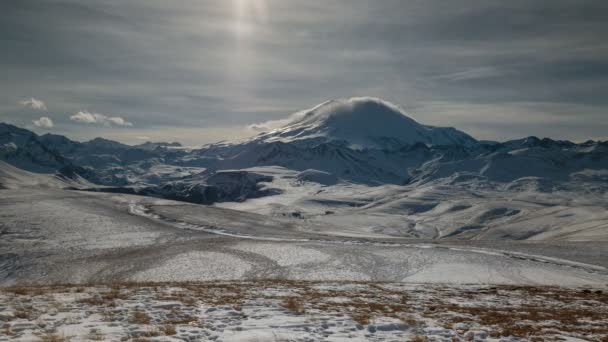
(302, 311)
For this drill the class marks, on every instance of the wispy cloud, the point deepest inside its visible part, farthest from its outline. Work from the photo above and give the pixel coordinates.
(96, 118)
(43, 122)
(471, 74)
(267, 126)
(33, 104)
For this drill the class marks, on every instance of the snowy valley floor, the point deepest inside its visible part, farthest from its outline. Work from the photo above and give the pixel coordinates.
(57, 236)
(302, 311)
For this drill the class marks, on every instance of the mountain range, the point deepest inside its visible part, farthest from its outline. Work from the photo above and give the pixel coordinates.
(359, 140)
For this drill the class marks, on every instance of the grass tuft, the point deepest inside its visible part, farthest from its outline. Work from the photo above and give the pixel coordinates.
(169, 329)
(50, 337)
(293, 304)
(362, 318)
(139, 316)
(6, 329)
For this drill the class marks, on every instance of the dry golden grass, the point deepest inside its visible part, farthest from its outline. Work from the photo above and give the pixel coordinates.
(362, 318)
(139, 316)
(6, 329)
(169, 329)
(52, 338)
(25, 313)
(524, 320)
(106, 298)
(96, 300)
(27, 291)
(20, 291)
(293, 304)
(116, 293)
(549, 310)
(185, 298)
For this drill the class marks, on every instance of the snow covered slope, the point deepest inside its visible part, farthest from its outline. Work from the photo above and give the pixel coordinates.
(51, 236)
(22, 149)
(461, 207)
(14, 178)
(548, 160)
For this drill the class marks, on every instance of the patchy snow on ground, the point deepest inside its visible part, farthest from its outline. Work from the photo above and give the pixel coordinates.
(302, 311)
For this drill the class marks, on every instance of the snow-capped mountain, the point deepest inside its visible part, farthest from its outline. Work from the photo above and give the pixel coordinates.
(360, 123)
(24, 150)
(149, 145)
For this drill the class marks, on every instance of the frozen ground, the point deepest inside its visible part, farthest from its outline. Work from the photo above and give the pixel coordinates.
(302, 311)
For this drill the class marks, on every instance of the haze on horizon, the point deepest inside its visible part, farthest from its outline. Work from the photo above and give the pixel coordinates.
(203, 71)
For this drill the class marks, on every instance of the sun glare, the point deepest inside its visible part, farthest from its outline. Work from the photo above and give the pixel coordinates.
(247, 14)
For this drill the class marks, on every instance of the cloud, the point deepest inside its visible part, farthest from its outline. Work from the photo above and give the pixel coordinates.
(33, 104)
(323, 108)
(472, 74)
(84, 117)
(260, 127)
(96, 118)
(119, 121)
(270, 125)
(44, 122)
(468, 51)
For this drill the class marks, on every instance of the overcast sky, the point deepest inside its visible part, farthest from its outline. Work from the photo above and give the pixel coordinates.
(200, 71)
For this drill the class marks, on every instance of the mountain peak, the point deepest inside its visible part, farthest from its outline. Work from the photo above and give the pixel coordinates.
(352, 112)
(363, 122)
(150, 145)
(8, 128)
(105, 143)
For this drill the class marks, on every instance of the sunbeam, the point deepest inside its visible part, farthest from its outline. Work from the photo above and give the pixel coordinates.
(248, 14)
